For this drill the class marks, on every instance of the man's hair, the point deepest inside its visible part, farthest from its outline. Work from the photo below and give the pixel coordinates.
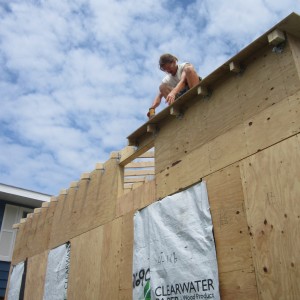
(166, 59)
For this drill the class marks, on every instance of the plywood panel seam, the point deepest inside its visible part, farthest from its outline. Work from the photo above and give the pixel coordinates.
(89, 229)
(245, 192)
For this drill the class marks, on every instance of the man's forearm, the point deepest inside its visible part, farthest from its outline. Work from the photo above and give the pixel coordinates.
(156, 101)
(180, 85)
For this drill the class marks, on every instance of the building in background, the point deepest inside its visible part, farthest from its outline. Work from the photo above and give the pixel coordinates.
(15, 204)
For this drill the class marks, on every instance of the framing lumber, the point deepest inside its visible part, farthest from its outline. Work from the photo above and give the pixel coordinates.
(134, 179)
(16, 226)
(139, 172)
(234, 67)
(142, 146)
(152, 128)
(141, 164)
(149, 154)
(202, 91)
(128, 186)
(45, 204)
(175, 111)
(276, 37)
(130, 153)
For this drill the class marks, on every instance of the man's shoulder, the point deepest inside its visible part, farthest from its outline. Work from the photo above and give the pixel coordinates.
(166, 79)
(182, 65)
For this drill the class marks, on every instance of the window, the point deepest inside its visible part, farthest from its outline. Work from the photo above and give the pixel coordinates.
(12, 215)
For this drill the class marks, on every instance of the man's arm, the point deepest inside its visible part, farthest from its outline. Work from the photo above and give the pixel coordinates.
(157, 100)
(180, 85)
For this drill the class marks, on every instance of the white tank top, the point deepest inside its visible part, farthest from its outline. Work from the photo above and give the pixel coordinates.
(173, 80)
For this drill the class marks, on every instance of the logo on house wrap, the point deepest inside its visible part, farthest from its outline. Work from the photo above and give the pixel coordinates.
(191, 290)
(141, 281)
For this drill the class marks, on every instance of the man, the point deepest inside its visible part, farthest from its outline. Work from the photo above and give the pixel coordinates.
(180, 78)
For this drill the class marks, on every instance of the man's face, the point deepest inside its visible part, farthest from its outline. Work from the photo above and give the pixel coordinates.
(170, 68)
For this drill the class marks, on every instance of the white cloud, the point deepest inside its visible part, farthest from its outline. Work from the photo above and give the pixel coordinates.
(77, 77)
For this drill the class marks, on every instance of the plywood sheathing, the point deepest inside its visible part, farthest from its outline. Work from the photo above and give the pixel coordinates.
(85, 269)
(93, 204)
(101, 206)
(33, 237)
(232, 125)
(271, 182)
(62, 219)
(35, 276)
(22, 245)
(81, 196)
(231, 234)
(126, 254)
(40, 240)
(96, 258)
(20, 252)
(138, 198)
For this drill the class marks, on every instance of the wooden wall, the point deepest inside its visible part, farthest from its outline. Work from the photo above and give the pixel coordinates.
(244, 142)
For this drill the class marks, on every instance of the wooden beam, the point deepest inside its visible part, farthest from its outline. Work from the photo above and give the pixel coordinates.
(114, 154)
(16, 226)
(74, 184)
(149, 154)
(134, 179)
(174, 111)
(234, 67)
(152, 128)
(85, 176)
(63, 192)
(46, 204)
(276, 37)
(128, 186)
(139, 172)
(99, 166)
(136, 184)
(140, 164)
(145, 145)
(53, 199)
(202, 91)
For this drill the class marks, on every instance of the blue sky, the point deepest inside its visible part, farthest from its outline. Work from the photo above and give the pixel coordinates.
(78, 76)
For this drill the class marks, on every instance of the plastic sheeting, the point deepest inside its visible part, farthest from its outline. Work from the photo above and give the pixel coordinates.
(174, 250)
(15, 281)
(56, 282)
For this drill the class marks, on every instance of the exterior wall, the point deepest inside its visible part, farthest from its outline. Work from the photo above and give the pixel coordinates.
(101, 258)
(244, 141)
(235, 101)
(243, 144)
(4, 272)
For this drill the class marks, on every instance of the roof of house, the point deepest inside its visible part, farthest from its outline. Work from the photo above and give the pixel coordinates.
(21, 196)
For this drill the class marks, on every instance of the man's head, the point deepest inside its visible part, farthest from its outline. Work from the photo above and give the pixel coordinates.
(168, 63)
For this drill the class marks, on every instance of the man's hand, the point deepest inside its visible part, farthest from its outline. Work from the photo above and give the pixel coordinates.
(171, 98)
